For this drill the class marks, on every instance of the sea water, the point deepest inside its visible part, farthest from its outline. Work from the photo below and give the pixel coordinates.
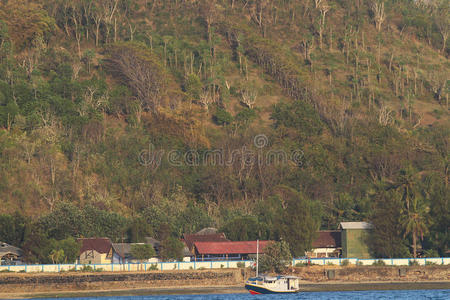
(390, 294)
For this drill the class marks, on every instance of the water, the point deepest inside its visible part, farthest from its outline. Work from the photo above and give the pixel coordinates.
(360, 295)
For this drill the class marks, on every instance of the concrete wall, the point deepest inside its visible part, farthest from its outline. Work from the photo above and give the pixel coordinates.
(354, 243)
(168, 266)
(129, 267)
(99, 258)
(33, 283)
(371, 261)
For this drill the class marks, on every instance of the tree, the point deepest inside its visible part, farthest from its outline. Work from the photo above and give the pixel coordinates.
(407, 182)
(141, 70)
(26, 20)
(12, 229)
(57, 256)
(416, 222)
(299, 220)
(242, 228)
(171, 249)
(442, 17)
(386, 237)
(276, 257)
(142, 251)
(377, 7)
(299, 116)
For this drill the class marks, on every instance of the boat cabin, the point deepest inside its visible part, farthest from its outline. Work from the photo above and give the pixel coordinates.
(273, 284)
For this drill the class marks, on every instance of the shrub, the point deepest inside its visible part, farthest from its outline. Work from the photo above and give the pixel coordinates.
(378, 263)
(240, 265)
(298, 265)
(330, 263)
(153, 267)
(430, 263)
(413, 262)
(98, 270)
(345, 262)
(86, 269)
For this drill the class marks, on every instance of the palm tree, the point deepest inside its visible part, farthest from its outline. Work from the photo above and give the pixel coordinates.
(407, 182)
(415, 221)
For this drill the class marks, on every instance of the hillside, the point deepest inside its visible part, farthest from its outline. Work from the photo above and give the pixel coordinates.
(268, 119)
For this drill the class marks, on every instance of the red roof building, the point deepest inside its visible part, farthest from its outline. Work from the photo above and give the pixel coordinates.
(328, 239)
(190, 239)
(228, 250)
(95, 250)
(327, 244)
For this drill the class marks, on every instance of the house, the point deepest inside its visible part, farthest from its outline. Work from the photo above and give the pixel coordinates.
(354, 236)
(122, 253)
(10, 255)
(204, 235)
(227, 250)
(95, 251)
(327, 244)
(155, 243)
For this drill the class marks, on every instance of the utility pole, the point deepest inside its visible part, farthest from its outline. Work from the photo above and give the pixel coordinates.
(257, 256)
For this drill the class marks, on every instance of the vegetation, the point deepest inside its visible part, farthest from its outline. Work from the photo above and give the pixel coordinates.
(276, 258)
(113, 114)
(142, 252)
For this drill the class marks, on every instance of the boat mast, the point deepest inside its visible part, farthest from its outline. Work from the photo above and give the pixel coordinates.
(257, 256)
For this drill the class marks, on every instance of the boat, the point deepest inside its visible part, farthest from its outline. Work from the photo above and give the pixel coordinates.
(271, 284)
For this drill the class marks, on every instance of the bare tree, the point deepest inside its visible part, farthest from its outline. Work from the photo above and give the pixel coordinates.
(442, 17)
(377, 7)
(141, 71)
(385, 116)
(323, 8)
(248, 97)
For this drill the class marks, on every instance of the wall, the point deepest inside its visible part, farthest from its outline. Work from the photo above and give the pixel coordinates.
(163, 266)
(166, 266)
(371, 274)
(99, 258)
(29, 283)
(354, 243)
(371, 261)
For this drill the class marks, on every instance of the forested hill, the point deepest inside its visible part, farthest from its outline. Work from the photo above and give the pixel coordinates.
(268, 119)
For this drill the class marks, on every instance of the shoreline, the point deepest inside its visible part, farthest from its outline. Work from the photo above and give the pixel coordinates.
(307, 287)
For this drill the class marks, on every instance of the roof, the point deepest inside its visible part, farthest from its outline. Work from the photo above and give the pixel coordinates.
(122, 249)
(8, 249)
(154, 242)
(328, 239)
(208, 230)
(190, 239)
(355, 225)
(101, 245)
(244, 247)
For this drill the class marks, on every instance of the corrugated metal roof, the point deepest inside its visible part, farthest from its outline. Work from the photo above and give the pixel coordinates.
(208, 230)
(355, 225)
(8, 249)
(243, 247)
(101, 245)
(190, 239)
(327, 239)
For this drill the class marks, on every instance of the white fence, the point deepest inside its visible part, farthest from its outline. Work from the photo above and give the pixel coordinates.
(201, 265)
(162, 266)
(369, 262)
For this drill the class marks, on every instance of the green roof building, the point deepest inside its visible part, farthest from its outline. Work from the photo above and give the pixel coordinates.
(354, 237)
